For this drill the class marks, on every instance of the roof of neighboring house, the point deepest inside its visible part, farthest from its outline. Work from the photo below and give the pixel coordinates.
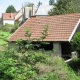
(43, 10)
(27, 13)
(61, 27)
(8, 16)
(19, 17)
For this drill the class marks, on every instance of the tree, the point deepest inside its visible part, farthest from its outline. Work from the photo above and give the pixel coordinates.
(39, 3)
(65, 7)
(28, 4)
(29, 41)
(51, 2)
(10, 9)
(76, 42)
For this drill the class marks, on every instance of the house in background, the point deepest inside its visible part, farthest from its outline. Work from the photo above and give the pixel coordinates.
(19, 16)
(43, 10)
(8, 18)
(61, 31)
(25, 13)
(28, 12)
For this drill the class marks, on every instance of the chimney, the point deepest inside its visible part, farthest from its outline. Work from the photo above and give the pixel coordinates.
(32, 9)
(23, 19)
(11, 15)
(24, 13)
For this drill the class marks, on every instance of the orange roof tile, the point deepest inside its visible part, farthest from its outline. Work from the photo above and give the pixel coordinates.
(8, 16)
(60, 27)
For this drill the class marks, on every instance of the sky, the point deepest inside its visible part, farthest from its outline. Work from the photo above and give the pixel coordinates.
(18, 4)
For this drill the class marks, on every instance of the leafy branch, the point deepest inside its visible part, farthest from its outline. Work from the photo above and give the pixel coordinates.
(29, 41)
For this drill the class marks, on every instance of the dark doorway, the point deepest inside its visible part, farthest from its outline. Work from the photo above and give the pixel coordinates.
(48, 46)
(66, 50)
(43, 45)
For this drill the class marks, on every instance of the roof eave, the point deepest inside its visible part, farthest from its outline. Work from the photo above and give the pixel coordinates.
(74, 31)
(17, 30)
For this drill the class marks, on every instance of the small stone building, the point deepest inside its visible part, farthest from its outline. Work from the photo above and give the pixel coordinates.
(61, 31)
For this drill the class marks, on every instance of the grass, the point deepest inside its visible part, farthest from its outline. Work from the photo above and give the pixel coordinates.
(2, 42)
(4, 34)
(3, 38)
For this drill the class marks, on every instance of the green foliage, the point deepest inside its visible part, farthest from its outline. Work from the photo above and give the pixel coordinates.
(6, 68)
(65, 7)
(51, 2)
(10, 9)
(3, 37)
(5, 32)
(28, 4)
(51, 76)
(6, 27)
(76, 42)
(39, 3)
(33, 65)
(14, 28)
(45, 33)
(34, 57)
(9, 27)
(28, 34)
(28, 44)
(75, 65)
(20, 43)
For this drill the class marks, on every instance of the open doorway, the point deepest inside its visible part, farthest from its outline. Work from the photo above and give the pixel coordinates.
(66, 50)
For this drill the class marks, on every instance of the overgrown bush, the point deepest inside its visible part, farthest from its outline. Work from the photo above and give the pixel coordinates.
(33, 65)
(3, 38)
(9, 27)
(75, 65)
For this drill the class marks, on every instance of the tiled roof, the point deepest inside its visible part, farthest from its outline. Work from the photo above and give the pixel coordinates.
(60, 27)
(8, 16)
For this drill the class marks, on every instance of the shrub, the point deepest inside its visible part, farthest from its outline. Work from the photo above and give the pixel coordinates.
(9, 27)
(76, 42)
(33, 65)
(3, 38)
(34, 57)
(28, 43)
(75, 64)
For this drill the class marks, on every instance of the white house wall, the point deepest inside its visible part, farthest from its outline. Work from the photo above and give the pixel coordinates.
(8, 21)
